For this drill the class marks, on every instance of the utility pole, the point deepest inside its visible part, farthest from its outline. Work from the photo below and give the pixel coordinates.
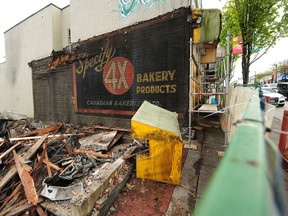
(275, 73)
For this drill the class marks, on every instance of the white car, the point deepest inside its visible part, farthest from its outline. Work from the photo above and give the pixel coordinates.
(275, 98)
(272, 86)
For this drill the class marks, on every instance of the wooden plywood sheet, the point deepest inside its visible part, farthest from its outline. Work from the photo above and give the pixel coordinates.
(209, 57)
(209, 107)
(100, 141)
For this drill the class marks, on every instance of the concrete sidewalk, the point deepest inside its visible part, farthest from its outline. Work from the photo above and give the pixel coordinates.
(199, 166)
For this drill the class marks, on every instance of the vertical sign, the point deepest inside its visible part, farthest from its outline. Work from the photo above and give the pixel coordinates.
(237, 45)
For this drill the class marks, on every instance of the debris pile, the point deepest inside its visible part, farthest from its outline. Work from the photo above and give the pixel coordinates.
(60, 169)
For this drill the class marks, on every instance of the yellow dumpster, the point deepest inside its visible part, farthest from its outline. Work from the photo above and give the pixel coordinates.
(160, 128)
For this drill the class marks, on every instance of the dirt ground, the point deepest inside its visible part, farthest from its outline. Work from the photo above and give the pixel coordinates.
(143, 197)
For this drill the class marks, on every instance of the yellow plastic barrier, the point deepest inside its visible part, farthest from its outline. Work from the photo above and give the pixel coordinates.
(161, 128)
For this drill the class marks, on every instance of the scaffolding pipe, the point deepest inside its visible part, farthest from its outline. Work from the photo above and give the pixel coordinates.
(227, 88)
(190, 87)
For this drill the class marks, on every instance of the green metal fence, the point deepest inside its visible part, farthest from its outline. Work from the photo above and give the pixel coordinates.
(248, 178)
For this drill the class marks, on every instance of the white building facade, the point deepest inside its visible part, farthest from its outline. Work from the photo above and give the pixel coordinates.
(33, 38)
(53, 28)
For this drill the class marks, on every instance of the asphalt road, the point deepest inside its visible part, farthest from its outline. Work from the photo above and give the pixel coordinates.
(279, 111)
(277, 122)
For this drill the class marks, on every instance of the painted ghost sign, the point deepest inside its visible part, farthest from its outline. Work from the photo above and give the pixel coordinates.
(118, 71)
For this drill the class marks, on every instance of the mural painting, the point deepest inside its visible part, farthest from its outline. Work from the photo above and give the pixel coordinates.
(116, 73)
(128, 6)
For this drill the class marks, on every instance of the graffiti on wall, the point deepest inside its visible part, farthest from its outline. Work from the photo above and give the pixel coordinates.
(128, 6)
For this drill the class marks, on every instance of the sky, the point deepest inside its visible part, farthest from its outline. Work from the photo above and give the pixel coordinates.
(10, 15)
(14, 11)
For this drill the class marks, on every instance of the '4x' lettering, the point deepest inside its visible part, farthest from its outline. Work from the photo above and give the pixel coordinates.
(117, 79)
(118, 75)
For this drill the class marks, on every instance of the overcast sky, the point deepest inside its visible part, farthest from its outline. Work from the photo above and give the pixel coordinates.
(14, 11)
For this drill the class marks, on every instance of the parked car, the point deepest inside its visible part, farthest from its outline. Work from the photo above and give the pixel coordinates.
(275, 98)
(271, 85)
(283, 88)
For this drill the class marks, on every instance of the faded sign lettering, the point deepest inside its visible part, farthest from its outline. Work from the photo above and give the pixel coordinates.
(126, 103)
(157, 76)
(99, 103)
(156, 89)
(154, 77)
(98, 61)
(118, 75)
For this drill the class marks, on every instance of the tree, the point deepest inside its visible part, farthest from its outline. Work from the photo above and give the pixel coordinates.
(260, 23)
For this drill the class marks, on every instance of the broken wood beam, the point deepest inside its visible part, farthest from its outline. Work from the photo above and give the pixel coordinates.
(91, 152)
(27, 181)
(57, 208)
(30, 153)
(41, 158)
(83, 205)
(137, 153)
(7, 152)
(38, 137)
(67, 167)
(52, 128)
(27, 155)
(53, 166)
(112, 128)
(46, 158)
(40, 211)
(69, 149)
(12, 211)
(8, 198)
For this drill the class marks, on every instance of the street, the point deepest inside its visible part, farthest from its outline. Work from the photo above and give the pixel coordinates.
(279, 111)
(277, 122)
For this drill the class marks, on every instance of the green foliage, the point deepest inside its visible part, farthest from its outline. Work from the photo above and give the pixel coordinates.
(282, 68)
(261, 75)
(259, 22)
